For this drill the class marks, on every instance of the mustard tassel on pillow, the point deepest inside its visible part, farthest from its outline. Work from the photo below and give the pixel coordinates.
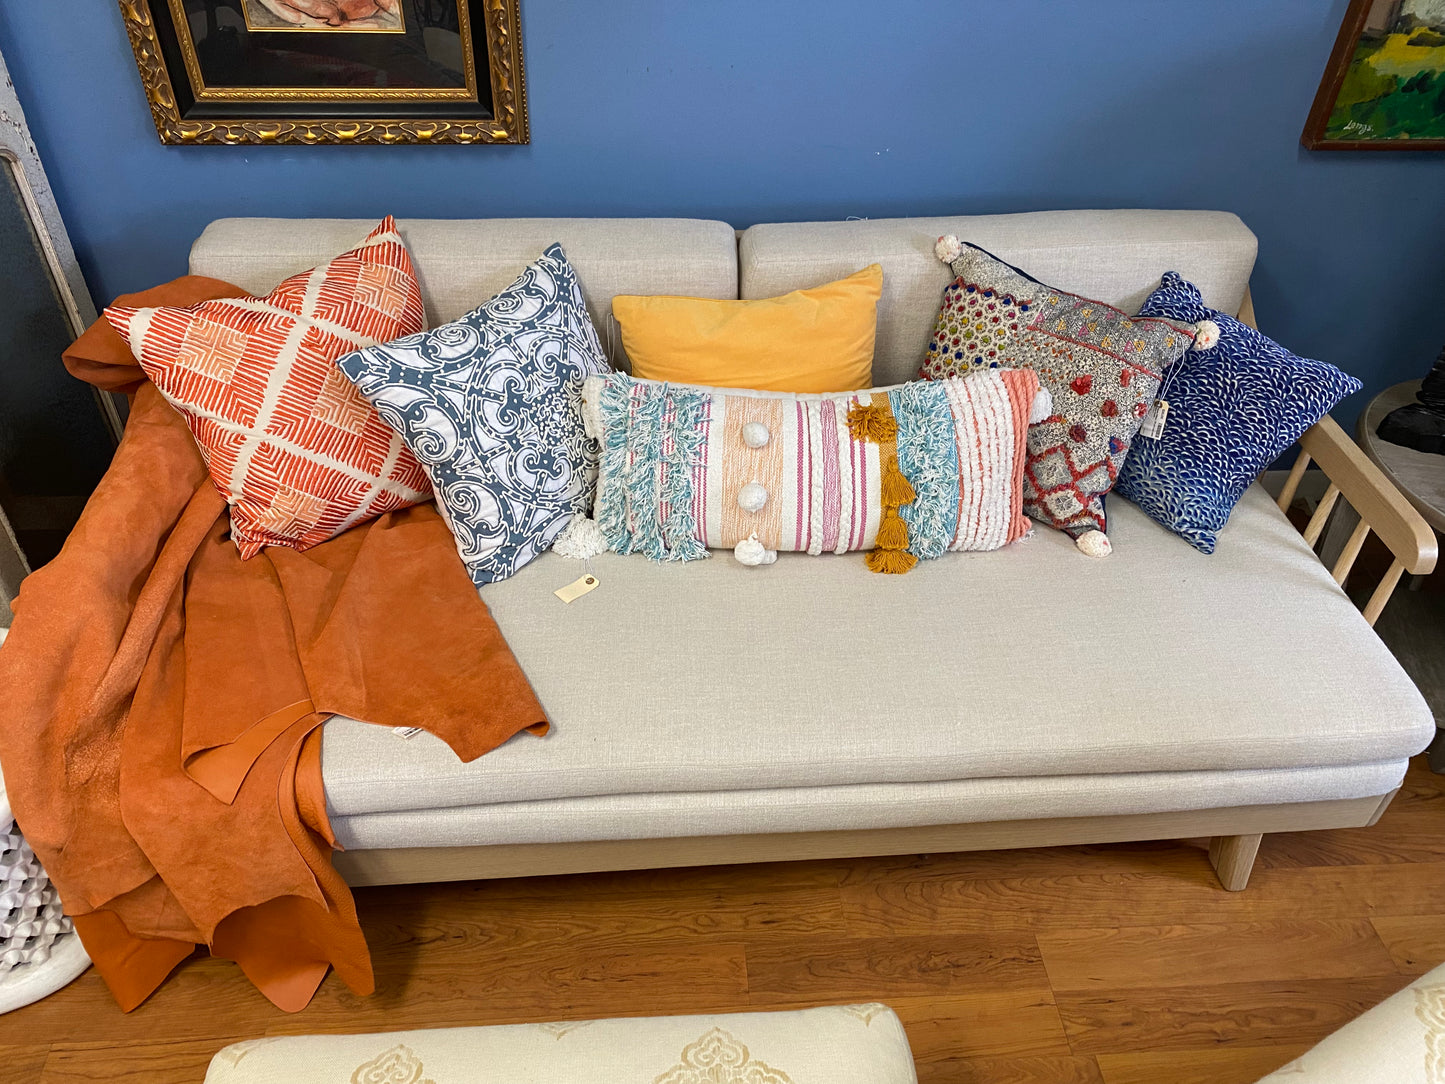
(892, 531)
(890, 562)
(872, 423)
(875, 423)
(895, 489)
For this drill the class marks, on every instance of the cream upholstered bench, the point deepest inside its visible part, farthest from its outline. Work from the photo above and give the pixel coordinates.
(1399, 1041)
(839, 1044)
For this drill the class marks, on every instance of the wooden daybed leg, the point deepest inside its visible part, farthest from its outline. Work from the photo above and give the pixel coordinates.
(1233, 857)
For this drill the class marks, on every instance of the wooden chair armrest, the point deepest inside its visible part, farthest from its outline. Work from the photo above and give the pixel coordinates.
(1387, 511)
(1381, 506)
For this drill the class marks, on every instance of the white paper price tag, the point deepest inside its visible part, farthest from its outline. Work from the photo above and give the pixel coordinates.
(1153, 426)
(577, 588)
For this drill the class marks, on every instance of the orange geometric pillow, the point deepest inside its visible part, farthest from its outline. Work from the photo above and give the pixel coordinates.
(290, 443)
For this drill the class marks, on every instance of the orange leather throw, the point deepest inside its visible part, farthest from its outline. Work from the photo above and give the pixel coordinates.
(160, 728)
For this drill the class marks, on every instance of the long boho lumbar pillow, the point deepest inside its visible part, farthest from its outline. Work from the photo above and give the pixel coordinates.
(905, 473)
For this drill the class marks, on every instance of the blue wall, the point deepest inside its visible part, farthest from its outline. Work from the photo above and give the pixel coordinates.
(760, 110)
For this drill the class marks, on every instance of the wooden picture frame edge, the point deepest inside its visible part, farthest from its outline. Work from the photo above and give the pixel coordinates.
(1313, 136)
(511, 124)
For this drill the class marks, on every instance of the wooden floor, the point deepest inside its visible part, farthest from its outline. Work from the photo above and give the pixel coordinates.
(1119, 964)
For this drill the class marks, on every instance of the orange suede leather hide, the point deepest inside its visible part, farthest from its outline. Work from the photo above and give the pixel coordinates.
(160, 728)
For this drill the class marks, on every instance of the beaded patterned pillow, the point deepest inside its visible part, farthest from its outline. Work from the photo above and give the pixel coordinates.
(293, 447)
(906, 472)
(1234, 408)
(1101, 367)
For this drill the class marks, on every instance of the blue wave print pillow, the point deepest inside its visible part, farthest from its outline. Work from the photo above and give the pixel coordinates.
(1233, 410)
(490, 404)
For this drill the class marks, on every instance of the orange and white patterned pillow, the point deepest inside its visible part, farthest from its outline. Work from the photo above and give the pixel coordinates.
(290, 443)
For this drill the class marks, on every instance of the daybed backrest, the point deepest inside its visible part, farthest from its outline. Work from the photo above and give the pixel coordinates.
(1110, 256)
(463, 262)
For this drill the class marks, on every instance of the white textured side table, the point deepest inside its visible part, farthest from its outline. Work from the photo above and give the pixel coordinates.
(39, 950)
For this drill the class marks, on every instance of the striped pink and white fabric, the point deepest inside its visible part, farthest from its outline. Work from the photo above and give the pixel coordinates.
(823, 486)
(291, 444)
(991, 420)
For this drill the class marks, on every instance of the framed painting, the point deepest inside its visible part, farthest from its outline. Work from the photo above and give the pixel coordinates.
(331, 71)
(1384, 87)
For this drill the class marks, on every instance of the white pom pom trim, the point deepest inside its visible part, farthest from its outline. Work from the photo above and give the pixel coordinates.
(1042, 406)
(1206, 335)
(948, 248)
(756, 435)
(592, 389)
(752, 497)
(752, 552)
(580, 539)
(1094, 544)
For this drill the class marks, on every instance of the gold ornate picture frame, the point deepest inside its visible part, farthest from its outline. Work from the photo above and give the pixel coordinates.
(331, 71)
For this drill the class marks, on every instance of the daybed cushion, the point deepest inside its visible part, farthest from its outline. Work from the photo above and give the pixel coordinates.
(711, 698)
(1110, 256)
(460, 263)
(858, 807)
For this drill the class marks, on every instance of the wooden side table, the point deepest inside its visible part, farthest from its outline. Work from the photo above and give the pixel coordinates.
(1418, 475)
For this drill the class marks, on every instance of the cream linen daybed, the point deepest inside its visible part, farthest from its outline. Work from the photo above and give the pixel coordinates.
(712, 713)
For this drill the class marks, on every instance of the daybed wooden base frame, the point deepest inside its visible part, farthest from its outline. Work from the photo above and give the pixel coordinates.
(1236, 831)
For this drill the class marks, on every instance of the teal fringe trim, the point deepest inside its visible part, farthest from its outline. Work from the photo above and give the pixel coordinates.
(644, 443)
(612, 504)
(630, 495)
(928, 456)
(688, 437)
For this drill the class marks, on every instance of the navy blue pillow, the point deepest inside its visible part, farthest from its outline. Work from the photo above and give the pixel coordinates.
(1233, 410)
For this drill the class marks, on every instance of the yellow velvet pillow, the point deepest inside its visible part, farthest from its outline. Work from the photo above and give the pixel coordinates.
(817, 340)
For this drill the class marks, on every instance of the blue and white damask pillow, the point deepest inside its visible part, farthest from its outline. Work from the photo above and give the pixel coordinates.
(490, 404)
(1233, 410)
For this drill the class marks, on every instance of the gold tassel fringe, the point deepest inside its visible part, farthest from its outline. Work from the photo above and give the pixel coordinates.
(872, 423)
(875, 423)
(895, 489)
(892, 531)
(890, 562)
